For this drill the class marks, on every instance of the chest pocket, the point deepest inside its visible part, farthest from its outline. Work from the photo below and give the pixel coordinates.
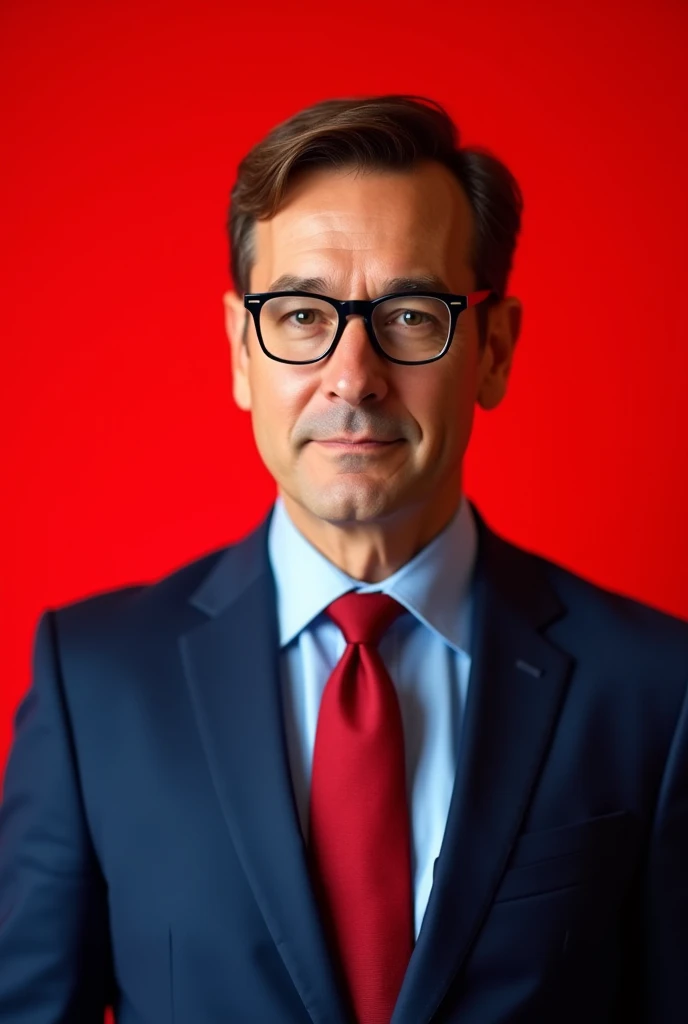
(559, 858)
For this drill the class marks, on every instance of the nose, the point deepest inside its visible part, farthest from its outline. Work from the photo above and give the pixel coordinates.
(355, 372)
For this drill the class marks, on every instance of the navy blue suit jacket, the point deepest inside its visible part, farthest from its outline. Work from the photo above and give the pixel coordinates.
(150, 853)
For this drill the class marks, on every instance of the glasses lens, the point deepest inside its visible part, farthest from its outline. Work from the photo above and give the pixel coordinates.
(412, 327)
(296, 328)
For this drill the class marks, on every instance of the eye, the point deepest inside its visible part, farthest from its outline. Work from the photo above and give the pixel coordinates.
(410, 318)
(303, 317)
(297, 315)
(409, 313)
(303, 314)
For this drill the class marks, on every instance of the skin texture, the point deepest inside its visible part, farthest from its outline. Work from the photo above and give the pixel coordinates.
(370, 511)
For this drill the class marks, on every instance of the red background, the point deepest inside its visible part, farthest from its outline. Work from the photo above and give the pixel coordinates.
(123, 453)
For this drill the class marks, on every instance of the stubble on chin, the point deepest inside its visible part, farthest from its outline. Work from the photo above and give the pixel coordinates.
(343, 499)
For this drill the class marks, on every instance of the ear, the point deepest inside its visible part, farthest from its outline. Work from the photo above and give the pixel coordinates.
(503, 329)
(235, 323)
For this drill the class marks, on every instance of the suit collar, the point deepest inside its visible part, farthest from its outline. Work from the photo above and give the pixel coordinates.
(236, 569)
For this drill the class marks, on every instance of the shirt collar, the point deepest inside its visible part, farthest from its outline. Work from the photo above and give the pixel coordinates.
(434, 585)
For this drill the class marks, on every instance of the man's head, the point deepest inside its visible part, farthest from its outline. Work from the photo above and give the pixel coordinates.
(360, 192)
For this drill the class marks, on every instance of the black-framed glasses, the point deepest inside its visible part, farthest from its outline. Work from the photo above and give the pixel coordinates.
(404, 327)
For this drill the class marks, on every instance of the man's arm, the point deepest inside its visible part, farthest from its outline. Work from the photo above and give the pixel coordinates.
(667, 907)
(55, 959)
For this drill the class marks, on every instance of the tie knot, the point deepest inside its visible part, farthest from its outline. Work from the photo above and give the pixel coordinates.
(363, 618)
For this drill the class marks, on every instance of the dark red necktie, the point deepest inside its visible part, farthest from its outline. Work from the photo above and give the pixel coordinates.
(359, 840)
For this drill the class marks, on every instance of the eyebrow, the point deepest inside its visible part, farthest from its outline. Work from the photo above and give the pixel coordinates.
(423, 282)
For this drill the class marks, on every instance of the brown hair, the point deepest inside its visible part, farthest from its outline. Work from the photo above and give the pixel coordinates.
(392, 132)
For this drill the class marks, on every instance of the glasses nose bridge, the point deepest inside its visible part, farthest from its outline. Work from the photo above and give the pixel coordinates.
(355, 308)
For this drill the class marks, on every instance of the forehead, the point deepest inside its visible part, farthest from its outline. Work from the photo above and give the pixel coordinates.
(358, 227)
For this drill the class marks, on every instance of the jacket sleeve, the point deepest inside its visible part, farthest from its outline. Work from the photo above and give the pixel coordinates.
(55, 962)
(667, 898)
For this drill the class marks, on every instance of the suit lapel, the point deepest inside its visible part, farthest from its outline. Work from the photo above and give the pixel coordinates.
(510, 716)
(232, 670)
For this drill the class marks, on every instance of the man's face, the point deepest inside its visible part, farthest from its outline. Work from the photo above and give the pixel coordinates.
(357, 231)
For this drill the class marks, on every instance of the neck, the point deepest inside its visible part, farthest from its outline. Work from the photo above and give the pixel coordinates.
(372, 551)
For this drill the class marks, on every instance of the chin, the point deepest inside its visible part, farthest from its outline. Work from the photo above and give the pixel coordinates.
(341, 501)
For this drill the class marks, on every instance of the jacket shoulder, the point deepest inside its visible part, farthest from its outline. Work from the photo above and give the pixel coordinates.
(162, 601)
(605, 615)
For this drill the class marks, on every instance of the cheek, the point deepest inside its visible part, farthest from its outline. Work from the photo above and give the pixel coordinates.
(441, 398)
(277, 398)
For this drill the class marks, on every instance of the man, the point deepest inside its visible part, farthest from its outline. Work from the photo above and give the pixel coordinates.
(372, 762)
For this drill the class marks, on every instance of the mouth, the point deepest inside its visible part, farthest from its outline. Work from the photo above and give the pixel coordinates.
(363, 445)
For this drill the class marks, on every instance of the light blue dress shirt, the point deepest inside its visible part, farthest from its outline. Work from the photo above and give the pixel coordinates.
(427, 655)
